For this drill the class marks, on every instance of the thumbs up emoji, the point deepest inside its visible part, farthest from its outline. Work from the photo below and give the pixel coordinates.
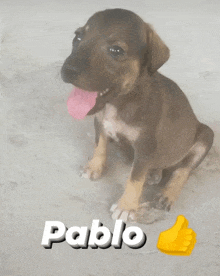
(178, 240)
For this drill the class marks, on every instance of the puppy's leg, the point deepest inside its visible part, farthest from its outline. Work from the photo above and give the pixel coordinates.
(174, 187)
(133, 190)
(197, 153)
(128, 206)
(129, 203)
(96, 165)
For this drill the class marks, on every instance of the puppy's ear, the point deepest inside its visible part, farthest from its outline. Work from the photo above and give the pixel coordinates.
(157, 53)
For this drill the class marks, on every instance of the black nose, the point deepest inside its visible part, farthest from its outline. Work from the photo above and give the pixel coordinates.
(70, 67)
(69, 73)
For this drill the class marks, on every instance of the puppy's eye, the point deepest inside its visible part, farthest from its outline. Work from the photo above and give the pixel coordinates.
(78, 37)
(116, 51)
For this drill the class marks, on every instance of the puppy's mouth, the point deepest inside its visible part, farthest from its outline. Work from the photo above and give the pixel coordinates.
(82, 103)
(104, 92)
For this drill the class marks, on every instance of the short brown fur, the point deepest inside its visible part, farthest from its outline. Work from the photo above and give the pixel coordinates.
(118, 51)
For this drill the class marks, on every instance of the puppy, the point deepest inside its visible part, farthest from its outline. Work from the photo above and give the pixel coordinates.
(114, 60)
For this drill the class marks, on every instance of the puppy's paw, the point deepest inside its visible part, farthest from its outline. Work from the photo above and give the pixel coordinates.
(125, 215)
(94, 169)
(129, 215)
(145, 214)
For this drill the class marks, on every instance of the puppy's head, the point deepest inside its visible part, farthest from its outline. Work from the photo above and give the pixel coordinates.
(109, 53)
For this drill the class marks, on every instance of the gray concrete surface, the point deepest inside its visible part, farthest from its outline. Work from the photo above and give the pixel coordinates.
(43, 148)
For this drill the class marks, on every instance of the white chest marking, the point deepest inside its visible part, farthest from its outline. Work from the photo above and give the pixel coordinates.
(113, 125)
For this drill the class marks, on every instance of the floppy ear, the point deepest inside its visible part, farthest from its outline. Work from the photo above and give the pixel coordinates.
(157, 52)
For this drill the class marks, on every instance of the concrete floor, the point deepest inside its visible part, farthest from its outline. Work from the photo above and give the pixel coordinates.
(43, 148)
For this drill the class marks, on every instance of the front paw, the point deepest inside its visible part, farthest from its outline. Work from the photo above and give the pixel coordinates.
(119, 213)
(95, 168)
(132, 215)
(145, 214)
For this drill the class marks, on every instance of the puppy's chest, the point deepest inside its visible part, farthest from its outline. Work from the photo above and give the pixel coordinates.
(114, 127)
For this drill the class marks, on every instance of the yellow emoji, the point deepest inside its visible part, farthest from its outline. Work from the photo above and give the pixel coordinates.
(178, 240)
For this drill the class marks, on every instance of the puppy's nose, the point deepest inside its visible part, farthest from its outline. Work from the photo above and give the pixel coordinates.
(70, 67)
(69, 73)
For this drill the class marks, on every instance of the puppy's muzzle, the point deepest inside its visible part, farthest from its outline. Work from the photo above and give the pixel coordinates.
(69, 73)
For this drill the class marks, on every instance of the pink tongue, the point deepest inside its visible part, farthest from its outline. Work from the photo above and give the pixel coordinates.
(80, 102)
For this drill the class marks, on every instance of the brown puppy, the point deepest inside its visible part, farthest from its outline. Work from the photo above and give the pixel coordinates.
(117, 55)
